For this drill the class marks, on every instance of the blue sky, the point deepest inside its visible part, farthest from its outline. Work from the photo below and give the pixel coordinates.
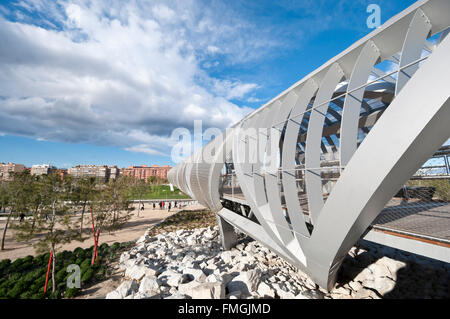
(108, 81)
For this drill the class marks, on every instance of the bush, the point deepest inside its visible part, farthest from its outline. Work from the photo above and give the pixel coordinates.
(79, 252)
(55, 295)
(17, 290)
(71, 292)
(4, 264)
(26, 295)
(35, 287)
(115, 246)
(38, 295)
(87, 275)
(60, 275)
(3, 292)
(85, 264)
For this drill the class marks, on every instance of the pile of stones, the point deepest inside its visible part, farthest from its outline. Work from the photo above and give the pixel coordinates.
(191, 264)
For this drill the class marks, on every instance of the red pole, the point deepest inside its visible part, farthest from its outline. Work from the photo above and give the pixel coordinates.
(48, 270)
(95, 239)
(96, 245)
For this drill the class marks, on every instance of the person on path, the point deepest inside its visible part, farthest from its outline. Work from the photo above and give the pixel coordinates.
(169, 206)
(154, 205)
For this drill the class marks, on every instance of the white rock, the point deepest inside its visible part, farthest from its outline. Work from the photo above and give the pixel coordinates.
(393, 265)
(341, 290)
(365, 293)
(149, 286)
(380, 270)
(234, 295)
(128, 287)
(186, 289)
(198, 274)
(209, 290)
(137, 272)
(124, 257)
(170, 277)
(365, 274)
(114, 295)
(214, 278)
(382, 285)
(226, 256)
(355, 285)
(176, 296)
(264, 290)
(246, 282)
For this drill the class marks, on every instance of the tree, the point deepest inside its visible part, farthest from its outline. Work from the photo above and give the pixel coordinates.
(140, 188)
(53, 223)
(15, 195)
(83, 194)
(112, 206)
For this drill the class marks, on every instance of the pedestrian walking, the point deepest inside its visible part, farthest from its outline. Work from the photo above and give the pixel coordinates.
(22, 217)
(169, 206)
(154, 205)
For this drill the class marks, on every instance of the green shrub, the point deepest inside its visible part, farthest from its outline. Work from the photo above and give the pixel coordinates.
(55, 295)
(4, 264)
(87, 275)
(60, 275)
(38, 295)
(71, 292)
(26, 295)
(85, 264)
(17, 290)
(61, 286)
(35, 287)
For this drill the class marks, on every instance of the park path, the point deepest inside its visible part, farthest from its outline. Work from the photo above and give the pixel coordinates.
(132, 230)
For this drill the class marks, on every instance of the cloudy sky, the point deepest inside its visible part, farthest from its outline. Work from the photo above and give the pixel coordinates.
(108, 81)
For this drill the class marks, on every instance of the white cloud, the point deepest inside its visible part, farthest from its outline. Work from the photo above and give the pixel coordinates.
(146, 149)
(232, 90)
(114, 75)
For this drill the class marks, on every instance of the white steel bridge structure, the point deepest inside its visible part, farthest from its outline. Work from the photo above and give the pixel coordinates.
(309, 172)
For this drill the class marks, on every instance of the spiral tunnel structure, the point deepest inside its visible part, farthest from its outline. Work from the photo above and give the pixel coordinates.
(311, 169)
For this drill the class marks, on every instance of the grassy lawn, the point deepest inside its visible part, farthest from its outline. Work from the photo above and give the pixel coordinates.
(163, 192)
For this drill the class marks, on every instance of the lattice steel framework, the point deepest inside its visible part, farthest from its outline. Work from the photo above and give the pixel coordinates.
(349, 136)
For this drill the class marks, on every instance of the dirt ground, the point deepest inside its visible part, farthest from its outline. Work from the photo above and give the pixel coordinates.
(132, 230)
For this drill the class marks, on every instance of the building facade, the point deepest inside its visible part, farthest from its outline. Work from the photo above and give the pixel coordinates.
(144, 172)
(114, 172)
(45, 169)
(8, 168)
(100, 172)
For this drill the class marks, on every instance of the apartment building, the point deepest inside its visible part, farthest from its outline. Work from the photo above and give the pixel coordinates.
(45, 169)
(7, 168)
(114, 172)
(144, 172)
(101, 172)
